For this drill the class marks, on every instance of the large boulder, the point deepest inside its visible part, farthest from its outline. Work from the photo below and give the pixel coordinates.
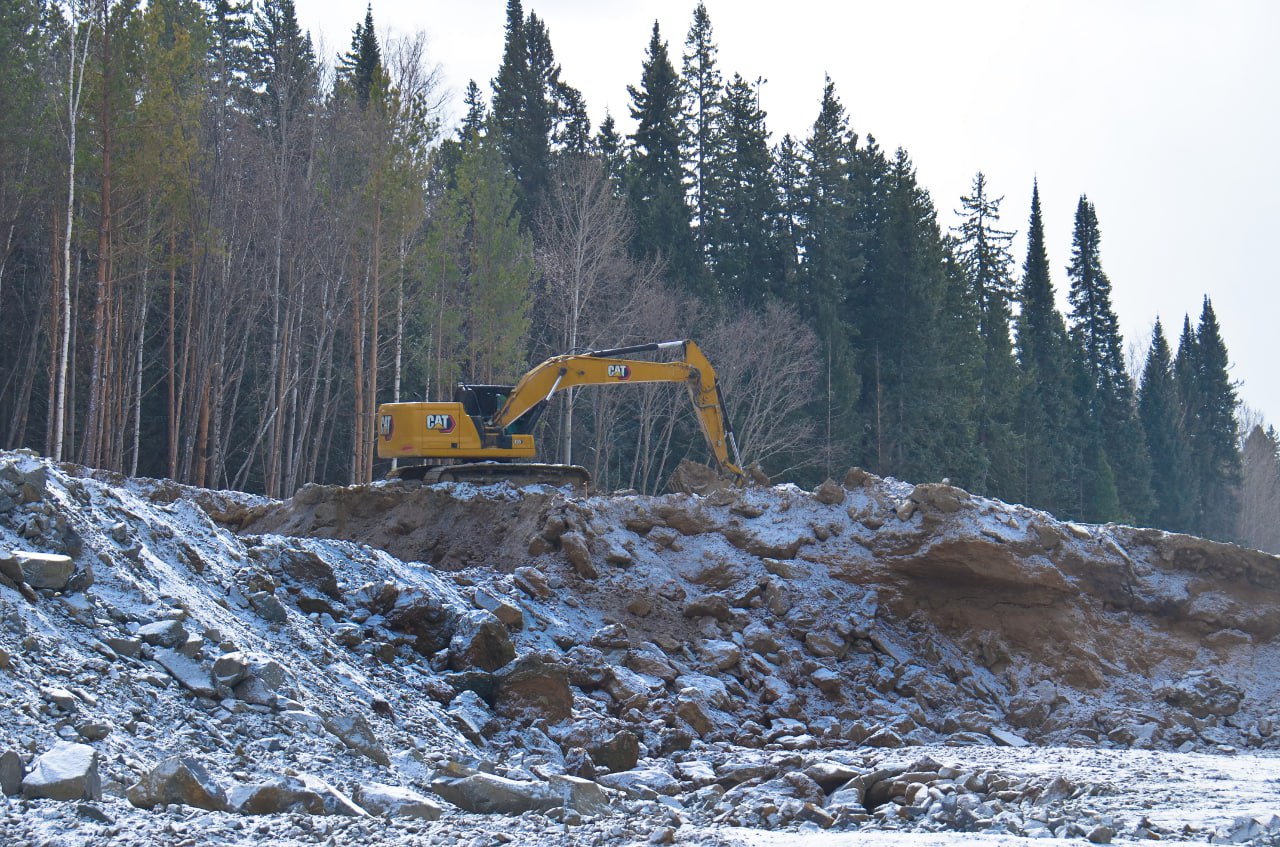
(426, 617)
(67, 772)
(166, 633)
(189, 673)
(355, 732)
(181, 780)
(497, 795)
(1204, 693)
(392, 801)
(291, 794)
(480, 641)
(533, 688)
(51, 571)
(10, 773)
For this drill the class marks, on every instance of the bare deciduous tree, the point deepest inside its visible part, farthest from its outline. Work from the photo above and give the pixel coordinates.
(583, 231)
(767, 366)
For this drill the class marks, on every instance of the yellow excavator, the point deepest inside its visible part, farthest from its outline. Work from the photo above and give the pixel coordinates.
(486, 432)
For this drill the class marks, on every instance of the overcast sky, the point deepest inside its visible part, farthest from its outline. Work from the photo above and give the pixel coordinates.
(1166, 113)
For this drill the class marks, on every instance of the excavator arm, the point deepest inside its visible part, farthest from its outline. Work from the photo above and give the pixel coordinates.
(605, 367)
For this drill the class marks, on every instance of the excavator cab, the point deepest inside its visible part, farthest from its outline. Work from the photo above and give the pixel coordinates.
(482, 402)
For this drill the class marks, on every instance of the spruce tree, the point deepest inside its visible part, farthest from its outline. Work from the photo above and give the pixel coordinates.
(608, 144)
(1260, 490)
(283, 70)
(1161, 414)
(484, 256)
(917, 347)
(741, 201)
(983, 250)
(523, 105)
(656, 176)
(1215, 436)
(789, 180)
(361, 66)
(1047, 407)
(831, 263)
(477, 112)
(1106, 392)
(702, 88)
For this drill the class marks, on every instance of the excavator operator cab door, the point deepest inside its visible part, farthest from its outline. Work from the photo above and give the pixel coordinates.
(482, 403)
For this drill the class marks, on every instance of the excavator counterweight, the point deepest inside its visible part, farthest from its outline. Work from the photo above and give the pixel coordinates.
(486, 433)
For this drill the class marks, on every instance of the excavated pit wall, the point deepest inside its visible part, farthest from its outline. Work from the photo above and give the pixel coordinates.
(964, 612)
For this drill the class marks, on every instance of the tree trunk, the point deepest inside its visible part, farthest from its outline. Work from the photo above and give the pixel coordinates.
(75, 84)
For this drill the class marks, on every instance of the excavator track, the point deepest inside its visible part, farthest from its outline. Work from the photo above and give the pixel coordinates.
(485, 473)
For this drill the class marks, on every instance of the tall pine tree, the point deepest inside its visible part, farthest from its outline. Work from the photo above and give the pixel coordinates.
(741, 202)
(1214, 432)
(1161, 413)
(1105, 389)
(702, 88)
(1047, 407)
(656, 175)
(988, 267)
(832, 261)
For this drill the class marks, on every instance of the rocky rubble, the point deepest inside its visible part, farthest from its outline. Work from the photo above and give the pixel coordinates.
(408, 665)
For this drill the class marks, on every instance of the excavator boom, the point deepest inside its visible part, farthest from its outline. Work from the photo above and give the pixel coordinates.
(494, 423)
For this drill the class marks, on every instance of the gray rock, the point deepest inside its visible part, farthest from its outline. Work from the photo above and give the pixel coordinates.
(393, 801)
(582, 795)
(509, 613)
(480, 641)
(6, 661)
(472, 716)
(497, 795)
(530, 686)
(189, 673)
(721, 655)
(830, 493)
(181, 780)
(230, 669)
(67, 772)
(10, 773)
(124, 645)
(355, 732)
(642, 782)
(284, 794)
(1100, 834)
(579, 555)
(268, 607)
(1204, 693)
(45, 570)
(167, 633)
(1007, 738)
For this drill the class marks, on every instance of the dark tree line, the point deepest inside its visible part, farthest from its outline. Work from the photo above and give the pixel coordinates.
(220, 252)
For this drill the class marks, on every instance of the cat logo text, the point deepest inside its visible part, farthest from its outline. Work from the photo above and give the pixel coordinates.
(440, 423)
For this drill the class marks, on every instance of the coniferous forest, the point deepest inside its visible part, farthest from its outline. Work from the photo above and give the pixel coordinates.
(220, 251)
